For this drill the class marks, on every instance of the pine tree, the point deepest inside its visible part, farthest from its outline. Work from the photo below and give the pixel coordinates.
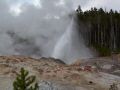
(79, 10)
(24, 82)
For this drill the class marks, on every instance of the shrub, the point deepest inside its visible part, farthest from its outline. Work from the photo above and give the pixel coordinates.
(25, 82)
(103, 51)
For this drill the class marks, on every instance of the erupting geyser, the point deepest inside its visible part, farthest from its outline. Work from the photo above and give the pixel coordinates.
(40, 31)
(71, 46)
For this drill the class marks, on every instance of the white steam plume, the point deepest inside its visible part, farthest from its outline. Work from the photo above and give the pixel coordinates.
(71, 46)
(27, 30)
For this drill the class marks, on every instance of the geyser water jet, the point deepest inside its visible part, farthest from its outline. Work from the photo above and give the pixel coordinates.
(71, 46)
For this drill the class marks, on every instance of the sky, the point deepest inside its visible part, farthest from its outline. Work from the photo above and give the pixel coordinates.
(106, 4)
(17, 6)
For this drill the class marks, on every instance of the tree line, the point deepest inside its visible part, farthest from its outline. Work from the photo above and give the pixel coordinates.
(103, 29)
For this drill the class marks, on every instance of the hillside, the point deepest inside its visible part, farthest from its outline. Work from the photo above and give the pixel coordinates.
(56, 74)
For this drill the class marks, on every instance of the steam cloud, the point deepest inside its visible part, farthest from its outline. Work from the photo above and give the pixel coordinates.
(35, 30)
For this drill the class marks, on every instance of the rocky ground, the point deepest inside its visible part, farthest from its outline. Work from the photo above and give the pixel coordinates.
(53, 74)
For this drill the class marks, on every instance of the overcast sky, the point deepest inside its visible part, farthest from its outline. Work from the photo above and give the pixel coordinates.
(17, 6)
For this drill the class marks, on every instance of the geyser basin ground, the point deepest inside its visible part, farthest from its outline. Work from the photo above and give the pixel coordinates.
(61, 76)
